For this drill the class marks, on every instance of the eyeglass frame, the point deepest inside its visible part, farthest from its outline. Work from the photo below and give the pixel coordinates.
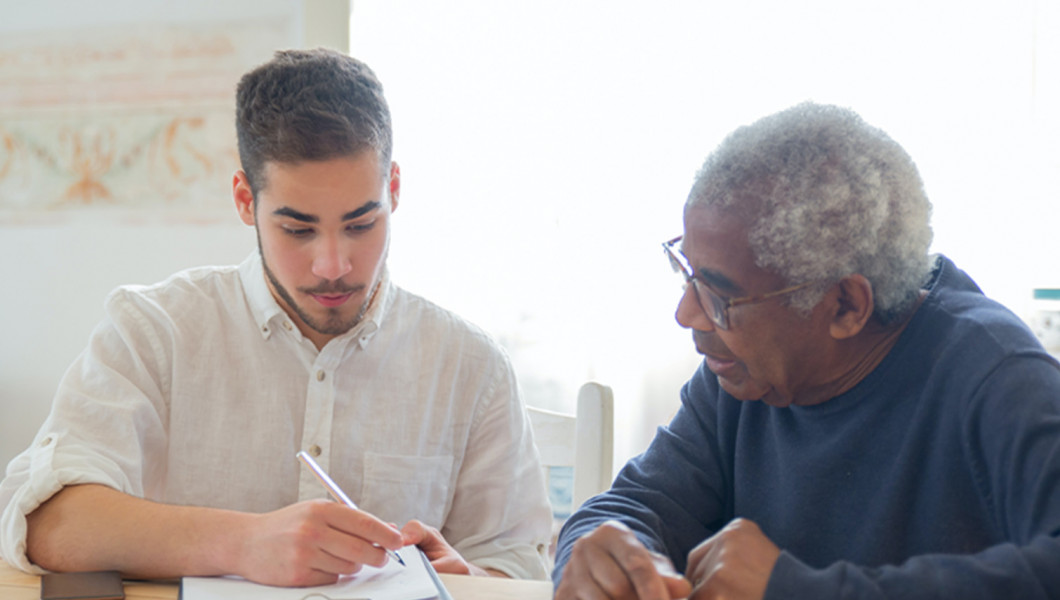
(721, 304)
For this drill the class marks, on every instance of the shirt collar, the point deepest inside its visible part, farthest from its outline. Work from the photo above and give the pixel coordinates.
(262, 305)
(377, 311)
(268, 313)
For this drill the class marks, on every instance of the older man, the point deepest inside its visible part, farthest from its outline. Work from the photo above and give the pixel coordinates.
(865, 424)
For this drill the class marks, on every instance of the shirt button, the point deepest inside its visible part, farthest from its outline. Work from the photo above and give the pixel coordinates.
(287, 325)
(314, 450)
(46, 441)
(320, 375)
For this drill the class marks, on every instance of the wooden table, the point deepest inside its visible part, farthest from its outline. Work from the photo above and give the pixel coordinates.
(16, 585)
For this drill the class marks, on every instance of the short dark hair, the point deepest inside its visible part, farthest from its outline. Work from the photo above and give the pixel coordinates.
(309, 105)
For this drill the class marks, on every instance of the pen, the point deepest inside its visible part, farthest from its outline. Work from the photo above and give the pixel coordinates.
(336, 491)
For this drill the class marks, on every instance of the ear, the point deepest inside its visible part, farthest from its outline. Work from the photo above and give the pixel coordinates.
(395, 185)
(854, 306)
(243, 196)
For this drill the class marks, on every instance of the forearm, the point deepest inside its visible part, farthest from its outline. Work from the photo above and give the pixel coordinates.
(674, 495)
(644, 524)
(669, 516)
(91, 527)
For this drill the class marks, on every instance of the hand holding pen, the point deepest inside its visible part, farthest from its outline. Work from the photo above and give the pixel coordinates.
(336, 492)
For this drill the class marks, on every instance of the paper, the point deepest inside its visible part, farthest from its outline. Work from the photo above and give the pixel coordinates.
(414, 581)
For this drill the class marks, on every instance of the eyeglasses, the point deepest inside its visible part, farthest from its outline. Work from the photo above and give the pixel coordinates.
(714, 306)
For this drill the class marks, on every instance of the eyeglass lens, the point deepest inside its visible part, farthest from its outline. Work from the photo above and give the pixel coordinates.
(712, 305)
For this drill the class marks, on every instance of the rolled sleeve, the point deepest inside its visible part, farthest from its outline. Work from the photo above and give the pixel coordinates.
(106, 420)
(36, 475)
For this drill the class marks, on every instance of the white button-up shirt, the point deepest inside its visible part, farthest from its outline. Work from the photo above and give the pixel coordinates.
(200, 390)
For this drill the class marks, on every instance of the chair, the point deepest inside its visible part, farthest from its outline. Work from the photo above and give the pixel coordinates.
(582, 442)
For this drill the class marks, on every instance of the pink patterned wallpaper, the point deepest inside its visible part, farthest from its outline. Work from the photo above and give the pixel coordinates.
(124, 118)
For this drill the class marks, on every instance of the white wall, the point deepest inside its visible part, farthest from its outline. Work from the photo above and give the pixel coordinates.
(57, 268)
(55, 279)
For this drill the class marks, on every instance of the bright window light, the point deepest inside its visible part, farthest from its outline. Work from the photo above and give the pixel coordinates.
(547, 148)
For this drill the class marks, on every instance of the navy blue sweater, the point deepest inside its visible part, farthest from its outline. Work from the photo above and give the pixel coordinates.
(937, 476)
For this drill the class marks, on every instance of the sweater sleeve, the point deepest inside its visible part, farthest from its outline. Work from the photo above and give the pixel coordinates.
(672, 496)
(1011, 432)
(1003, 571)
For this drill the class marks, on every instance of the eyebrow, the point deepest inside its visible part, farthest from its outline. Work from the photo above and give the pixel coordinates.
(298, 215)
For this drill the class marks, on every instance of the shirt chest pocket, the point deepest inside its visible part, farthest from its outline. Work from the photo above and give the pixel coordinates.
(399, 488)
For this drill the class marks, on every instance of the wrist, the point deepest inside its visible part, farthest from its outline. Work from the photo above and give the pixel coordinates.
(226, 543)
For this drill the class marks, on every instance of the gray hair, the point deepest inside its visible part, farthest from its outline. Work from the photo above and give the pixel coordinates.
(825, 195)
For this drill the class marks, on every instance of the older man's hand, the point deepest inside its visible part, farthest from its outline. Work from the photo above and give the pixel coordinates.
(733, 564)
(610, 562)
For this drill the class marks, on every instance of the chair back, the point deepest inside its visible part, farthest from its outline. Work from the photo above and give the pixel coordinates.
(576, 450)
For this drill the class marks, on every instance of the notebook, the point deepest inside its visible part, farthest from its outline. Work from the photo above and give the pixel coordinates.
(417, 580)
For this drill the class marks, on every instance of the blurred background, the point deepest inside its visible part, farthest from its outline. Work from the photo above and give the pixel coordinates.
(546, 150)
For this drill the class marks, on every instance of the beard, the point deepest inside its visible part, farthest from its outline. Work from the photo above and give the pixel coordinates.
(333, 323)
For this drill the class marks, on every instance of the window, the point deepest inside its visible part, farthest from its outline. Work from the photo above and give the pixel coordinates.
(547, 147)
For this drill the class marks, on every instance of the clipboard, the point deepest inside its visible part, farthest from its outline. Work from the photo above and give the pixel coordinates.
(417, 581)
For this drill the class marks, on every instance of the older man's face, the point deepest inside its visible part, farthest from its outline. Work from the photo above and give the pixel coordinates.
(769, 352)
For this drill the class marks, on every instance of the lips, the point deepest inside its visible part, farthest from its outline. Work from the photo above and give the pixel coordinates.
(719, 366)
(331, 300)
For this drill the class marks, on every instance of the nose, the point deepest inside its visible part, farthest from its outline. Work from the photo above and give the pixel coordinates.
(331, 262)
(690, 313)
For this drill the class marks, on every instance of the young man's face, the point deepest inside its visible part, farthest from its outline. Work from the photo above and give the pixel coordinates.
(323, 230)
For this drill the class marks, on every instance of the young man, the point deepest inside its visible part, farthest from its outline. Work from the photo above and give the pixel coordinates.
(865, 424)
(170, 448)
